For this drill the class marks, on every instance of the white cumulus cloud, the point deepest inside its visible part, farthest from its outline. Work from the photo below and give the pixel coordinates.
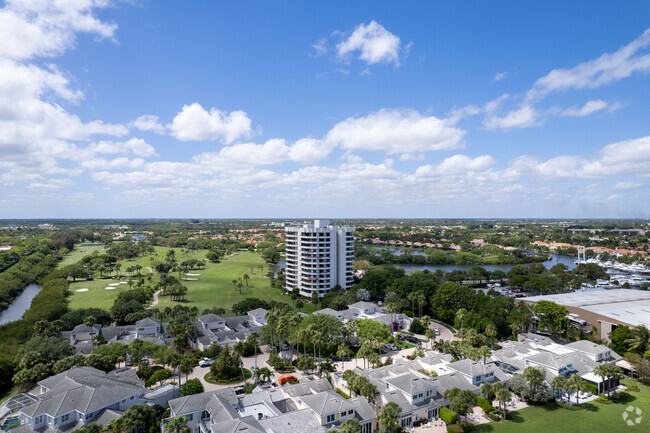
(372, 42)
(396, 132)
(194, 123)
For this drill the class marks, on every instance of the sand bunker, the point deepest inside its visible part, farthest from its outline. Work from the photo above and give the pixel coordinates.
(109, 288)
(190, 279)
(81, 290)
(114, 284)
(124, 282)
(193, 275)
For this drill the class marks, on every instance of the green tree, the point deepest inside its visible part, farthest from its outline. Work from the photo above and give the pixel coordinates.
(534, 377)
(350, 425)
(461, 315)
(389, 416)
(552, 317)
(503, 396)
(177, 425)
(461, 401)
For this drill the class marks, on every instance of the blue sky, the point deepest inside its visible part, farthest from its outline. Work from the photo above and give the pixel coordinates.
(298, 109)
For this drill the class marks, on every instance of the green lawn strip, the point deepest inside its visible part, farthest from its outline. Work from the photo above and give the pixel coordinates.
(594, 417)
(78, 253)
(214, 286)
(247, 373)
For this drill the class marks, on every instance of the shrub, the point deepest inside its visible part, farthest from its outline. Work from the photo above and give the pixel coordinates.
(494, 417)
(590, 387)
(420, 422)
(191, 387)
(448, 415)
(633, 388)
(158, 376)
(416, 327)
(483, 403)
(342, 393)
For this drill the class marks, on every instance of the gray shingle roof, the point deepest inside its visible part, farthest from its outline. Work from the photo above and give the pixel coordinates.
(325, 403)
(241, 425)
(300, 421)
(84, 390)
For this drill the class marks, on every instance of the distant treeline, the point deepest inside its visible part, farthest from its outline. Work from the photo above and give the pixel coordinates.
(478, 257)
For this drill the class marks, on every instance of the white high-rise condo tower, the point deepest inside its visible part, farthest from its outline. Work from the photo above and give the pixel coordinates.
(319, 256)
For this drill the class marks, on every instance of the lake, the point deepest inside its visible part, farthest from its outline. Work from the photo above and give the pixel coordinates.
(20, 304)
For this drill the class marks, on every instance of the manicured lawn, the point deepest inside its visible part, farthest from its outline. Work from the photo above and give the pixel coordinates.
(214, 286)
(595, 417)
(78, 253)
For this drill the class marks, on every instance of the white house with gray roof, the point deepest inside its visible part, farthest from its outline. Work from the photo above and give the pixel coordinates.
(78, 397)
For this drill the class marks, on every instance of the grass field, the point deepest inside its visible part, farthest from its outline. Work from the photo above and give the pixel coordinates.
(214, 286)
(595, 417)
(78, 253)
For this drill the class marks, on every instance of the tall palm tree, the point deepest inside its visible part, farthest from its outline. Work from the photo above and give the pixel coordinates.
(254, 338)
(174, 361)
(484, 351)
(239, 349)
(560, 383)
(534, 377)
(577, 384)
(186, 367)
(342, 351)
(503, 396)
(461, 315)
(491, 331)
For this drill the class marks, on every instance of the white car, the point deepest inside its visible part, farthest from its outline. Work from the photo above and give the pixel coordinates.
(436, 331)
(206, 362)
(390, 347)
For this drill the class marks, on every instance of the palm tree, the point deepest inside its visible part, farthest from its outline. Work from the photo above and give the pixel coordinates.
(174, 360)
(234, 283)
(89, 321)
(484, 351)
(239, 349)
(389, 416)
(421, 300)
(488, 390)
(342, 351)
(186, 367)
(264, 373)
(516, 327)
(491, 331)
(560, 383)
(136, 346)
(254, 338)
(246, 278)
(534, 377)
(460, 316)
(607, 372)
(431, 336)
(577, 384)
(503, 396)
(640, 342)
(412, 297)
(177, 425)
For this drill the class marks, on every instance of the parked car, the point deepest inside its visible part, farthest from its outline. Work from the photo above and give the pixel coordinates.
(390, 346)
(436, 331)
(284, 346)
(412, 339)
(206, 362)
(290, 378)
(337, 358)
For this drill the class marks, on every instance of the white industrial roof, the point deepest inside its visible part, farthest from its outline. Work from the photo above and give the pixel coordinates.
(623, 305)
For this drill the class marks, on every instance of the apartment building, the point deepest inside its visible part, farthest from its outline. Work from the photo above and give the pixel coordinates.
(319, 256)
